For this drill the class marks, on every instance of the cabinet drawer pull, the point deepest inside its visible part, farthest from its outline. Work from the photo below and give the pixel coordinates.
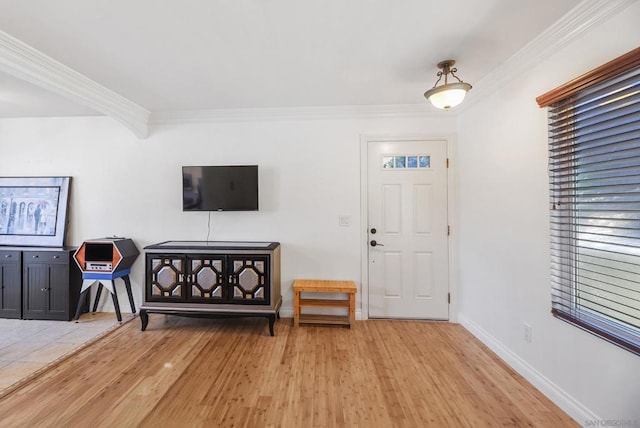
(7, 256)
(56, 257)
(35, 257)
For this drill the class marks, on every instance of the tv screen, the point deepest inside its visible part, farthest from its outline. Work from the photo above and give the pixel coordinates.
(220, 188)
(98, 252)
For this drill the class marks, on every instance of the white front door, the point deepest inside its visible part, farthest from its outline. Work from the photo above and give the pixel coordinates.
(408, 232)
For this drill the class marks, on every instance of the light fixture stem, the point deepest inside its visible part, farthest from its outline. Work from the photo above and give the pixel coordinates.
(446, 69)
(453, 73)
(440, 78)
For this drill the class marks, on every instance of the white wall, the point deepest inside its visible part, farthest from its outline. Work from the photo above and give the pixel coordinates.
(309, 176)
(504, 237)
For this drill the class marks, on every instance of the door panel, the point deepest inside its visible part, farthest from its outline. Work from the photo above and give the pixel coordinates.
(36, 281)
(249, 279)
(58, 291)
(207, 278)
(10, 291)
(423, 262)
(422, 201)
(392, 206)
(392, 271)
(409, 264)
(166, 276)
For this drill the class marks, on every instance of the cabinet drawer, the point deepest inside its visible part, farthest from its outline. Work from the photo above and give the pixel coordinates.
(9, 256)
(46, 257)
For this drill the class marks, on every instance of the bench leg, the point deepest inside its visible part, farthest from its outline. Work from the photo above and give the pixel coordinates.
(352, 308)
(296, 309)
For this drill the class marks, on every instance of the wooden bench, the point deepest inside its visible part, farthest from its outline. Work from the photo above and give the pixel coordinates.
(323, 286)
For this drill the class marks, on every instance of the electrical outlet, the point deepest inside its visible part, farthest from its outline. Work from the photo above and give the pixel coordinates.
(527, 333)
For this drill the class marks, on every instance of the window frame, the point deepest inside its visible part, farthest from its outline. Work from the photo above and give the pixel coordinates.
(614, 332)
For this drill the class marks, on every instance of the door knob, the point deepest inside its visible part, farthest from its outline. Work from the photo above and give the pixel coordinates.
(373, 243)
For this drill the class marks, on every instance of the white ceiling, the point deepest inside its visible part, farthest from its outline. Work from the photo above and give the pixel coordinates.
(236, 54)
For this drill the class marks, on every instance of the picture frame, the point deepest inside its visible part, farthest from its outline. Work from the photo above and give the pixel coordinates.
(33, 211)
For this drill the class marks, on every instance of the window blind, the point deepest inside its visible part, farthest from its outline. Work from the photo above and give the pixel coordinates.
(594, 174)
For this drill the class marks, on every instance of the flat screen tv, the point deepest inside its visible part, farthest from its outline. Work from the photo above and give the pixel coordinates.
(220, 188)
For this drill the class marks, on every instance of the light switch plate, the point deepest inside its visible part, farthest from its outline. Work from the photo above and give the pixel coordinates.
(344, 220)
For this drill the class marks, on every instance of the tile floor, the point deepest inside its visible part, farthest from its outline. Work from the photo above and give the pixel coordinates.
(27, 346)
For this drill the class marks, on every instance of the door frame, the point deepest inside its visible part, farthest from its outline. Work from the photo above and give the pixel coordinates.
(452, 214)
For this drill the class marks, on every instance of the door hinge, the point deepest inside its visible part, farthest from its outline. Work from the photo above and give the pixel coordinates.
(448, 297)
(448, 230)
(447, 162)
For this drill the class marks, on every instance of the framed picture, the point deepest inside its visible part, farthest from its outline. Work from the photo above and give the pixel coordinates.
(33, 210)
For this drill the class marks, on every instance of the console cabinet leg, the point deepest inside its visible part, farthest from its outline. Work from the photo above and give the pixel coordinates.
(144, 318)
(272, 320)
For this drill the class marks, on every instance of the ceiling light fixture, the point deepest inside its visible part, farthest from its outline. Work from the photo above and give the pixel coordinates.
(447, 95)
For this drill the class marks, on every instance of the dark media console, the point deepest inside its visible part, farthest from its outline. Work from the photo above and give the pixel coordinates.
(38, 283)
(212, 279)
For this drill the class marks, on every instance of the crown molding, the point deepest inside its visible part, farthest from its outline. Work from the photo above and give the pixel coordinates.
(297, 113)
(26, 63)
(581, 18)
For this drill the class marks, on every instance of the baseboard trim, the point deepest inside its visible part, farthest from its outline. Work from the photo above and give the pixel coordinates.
(286, 313)
(560, 397)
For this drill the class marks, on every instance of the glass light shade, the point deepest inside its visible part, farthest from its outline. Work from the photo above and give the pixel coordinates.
(447, 96)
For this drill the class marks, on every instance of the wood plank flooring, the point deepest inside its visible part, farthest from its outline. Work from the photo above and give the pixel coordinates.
(185, 372)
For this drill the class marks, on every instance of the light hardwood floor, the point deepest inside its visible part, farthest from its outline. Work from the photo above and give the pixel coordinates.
(29, 346)
(185, 372)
